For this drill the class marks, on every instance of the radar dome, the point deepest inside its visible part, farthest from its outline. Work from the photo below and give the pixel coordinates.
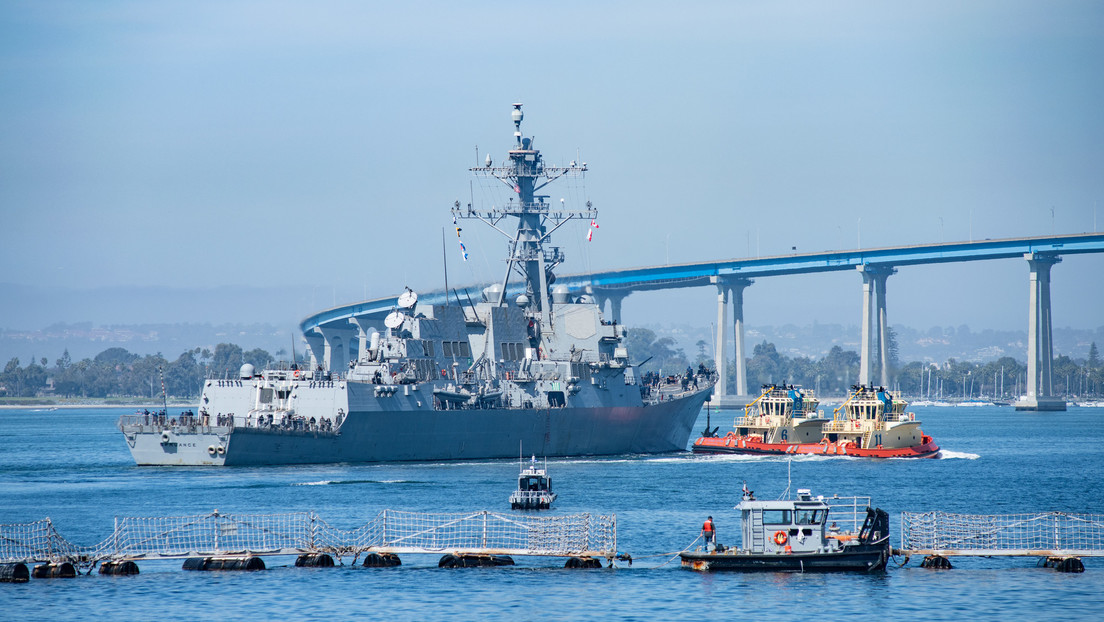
(246, 372)
(561, 295)
(491, 292)
(522, 300)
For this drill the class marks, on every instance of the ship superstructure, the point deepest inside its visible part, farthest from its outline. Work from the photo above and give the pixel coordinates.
(531, 363)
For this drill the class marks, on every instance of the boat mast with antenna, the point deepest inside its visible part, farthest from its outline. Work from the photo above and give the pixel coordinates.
(526, 174)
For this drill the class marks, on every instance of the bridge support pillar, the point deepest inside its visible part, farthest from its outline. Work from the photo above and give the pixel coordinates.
(316, 343)
(615, 307)
(738, 286)
(734, 289)
(874, 282)
(721, 359)
(1040, 347)
(336, 349)
(602, 296)
(364, 330)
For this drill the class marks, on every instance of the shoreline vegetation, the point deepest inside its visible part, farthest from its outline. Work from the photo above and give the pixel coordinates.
(116, 377)
(8, 405)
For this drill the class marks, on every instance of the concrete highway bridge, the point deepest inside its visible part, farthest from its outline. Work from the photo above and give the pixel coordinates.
(337, 335)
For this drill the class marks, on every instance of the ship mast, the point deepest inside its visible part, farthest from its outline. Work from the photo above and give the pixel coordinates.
(535, 261)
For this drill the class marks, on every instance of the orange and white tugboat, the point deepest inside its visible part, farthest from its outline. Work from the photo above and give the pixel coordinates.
(871, 423)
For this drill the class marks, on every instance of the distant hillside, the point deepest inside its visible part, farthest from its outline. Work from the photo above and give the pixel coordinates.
(86, 340)
(936, 344)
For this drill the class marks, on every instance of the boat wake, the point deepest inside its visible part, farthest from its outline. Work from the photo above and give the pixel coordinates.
(957, 455)
(332, 482)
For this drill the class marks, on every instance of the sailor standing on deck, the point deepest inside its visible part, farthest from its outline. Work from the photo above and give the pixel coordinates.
(709, 532)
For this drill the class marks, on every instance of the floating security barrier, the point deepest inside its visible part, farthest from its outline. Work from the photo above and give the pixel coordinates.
(936, 561)
(63, 570)
(122, 568)
(314, 560)
(474, 561)
(224, 563)
(381, 560)
(1063, 564)
(15, 572)
(582, 562)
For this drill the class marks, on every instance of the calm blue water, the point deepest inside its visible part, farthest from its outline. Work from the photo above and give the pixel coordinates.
(72, 466)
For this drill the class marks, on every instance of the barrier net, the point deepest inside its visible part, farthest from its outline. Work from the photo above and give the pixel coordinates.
(37, 541)
(1081, 534)
(396, 531)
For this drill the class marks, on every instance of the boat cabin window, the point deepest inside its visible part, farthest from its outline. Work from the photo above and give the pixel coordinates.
(810, 517)
(776, 517)
(533, 483)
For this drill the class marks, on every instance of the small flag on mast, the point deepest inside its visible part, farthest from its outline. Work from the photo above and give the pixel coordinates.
(463, 249)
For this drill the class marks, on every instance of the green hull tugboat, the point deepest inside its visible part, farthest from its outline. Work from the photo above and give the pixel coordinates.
(807, 534)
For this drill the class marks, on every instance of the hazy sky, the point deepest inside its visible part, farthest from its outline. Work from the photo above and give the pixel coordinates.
(193, 144)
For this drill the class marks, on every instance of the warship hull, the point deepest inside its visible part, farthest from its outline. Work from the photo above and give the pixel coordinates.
(407, 433)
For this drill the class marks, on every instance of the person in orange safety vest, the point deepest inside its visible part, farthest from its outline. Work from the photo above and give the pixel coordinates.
(709, 532)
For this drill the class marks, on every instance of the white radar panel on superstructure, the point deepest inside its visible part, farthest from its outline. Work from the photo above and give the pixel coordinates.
(408, 299)
(394, 319)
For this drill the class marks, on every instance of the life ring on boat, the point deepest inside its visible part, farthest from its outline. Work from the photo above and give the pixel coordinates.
(780, 538)
(912, 416)
(297, 374)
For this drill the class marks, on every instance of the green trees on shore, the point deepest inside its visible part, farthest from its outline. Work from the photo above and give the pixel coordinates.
(115, 372)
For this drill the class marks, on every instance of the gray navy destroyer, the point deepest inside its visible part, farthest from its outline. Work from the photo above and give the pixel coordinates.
(531, 364)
